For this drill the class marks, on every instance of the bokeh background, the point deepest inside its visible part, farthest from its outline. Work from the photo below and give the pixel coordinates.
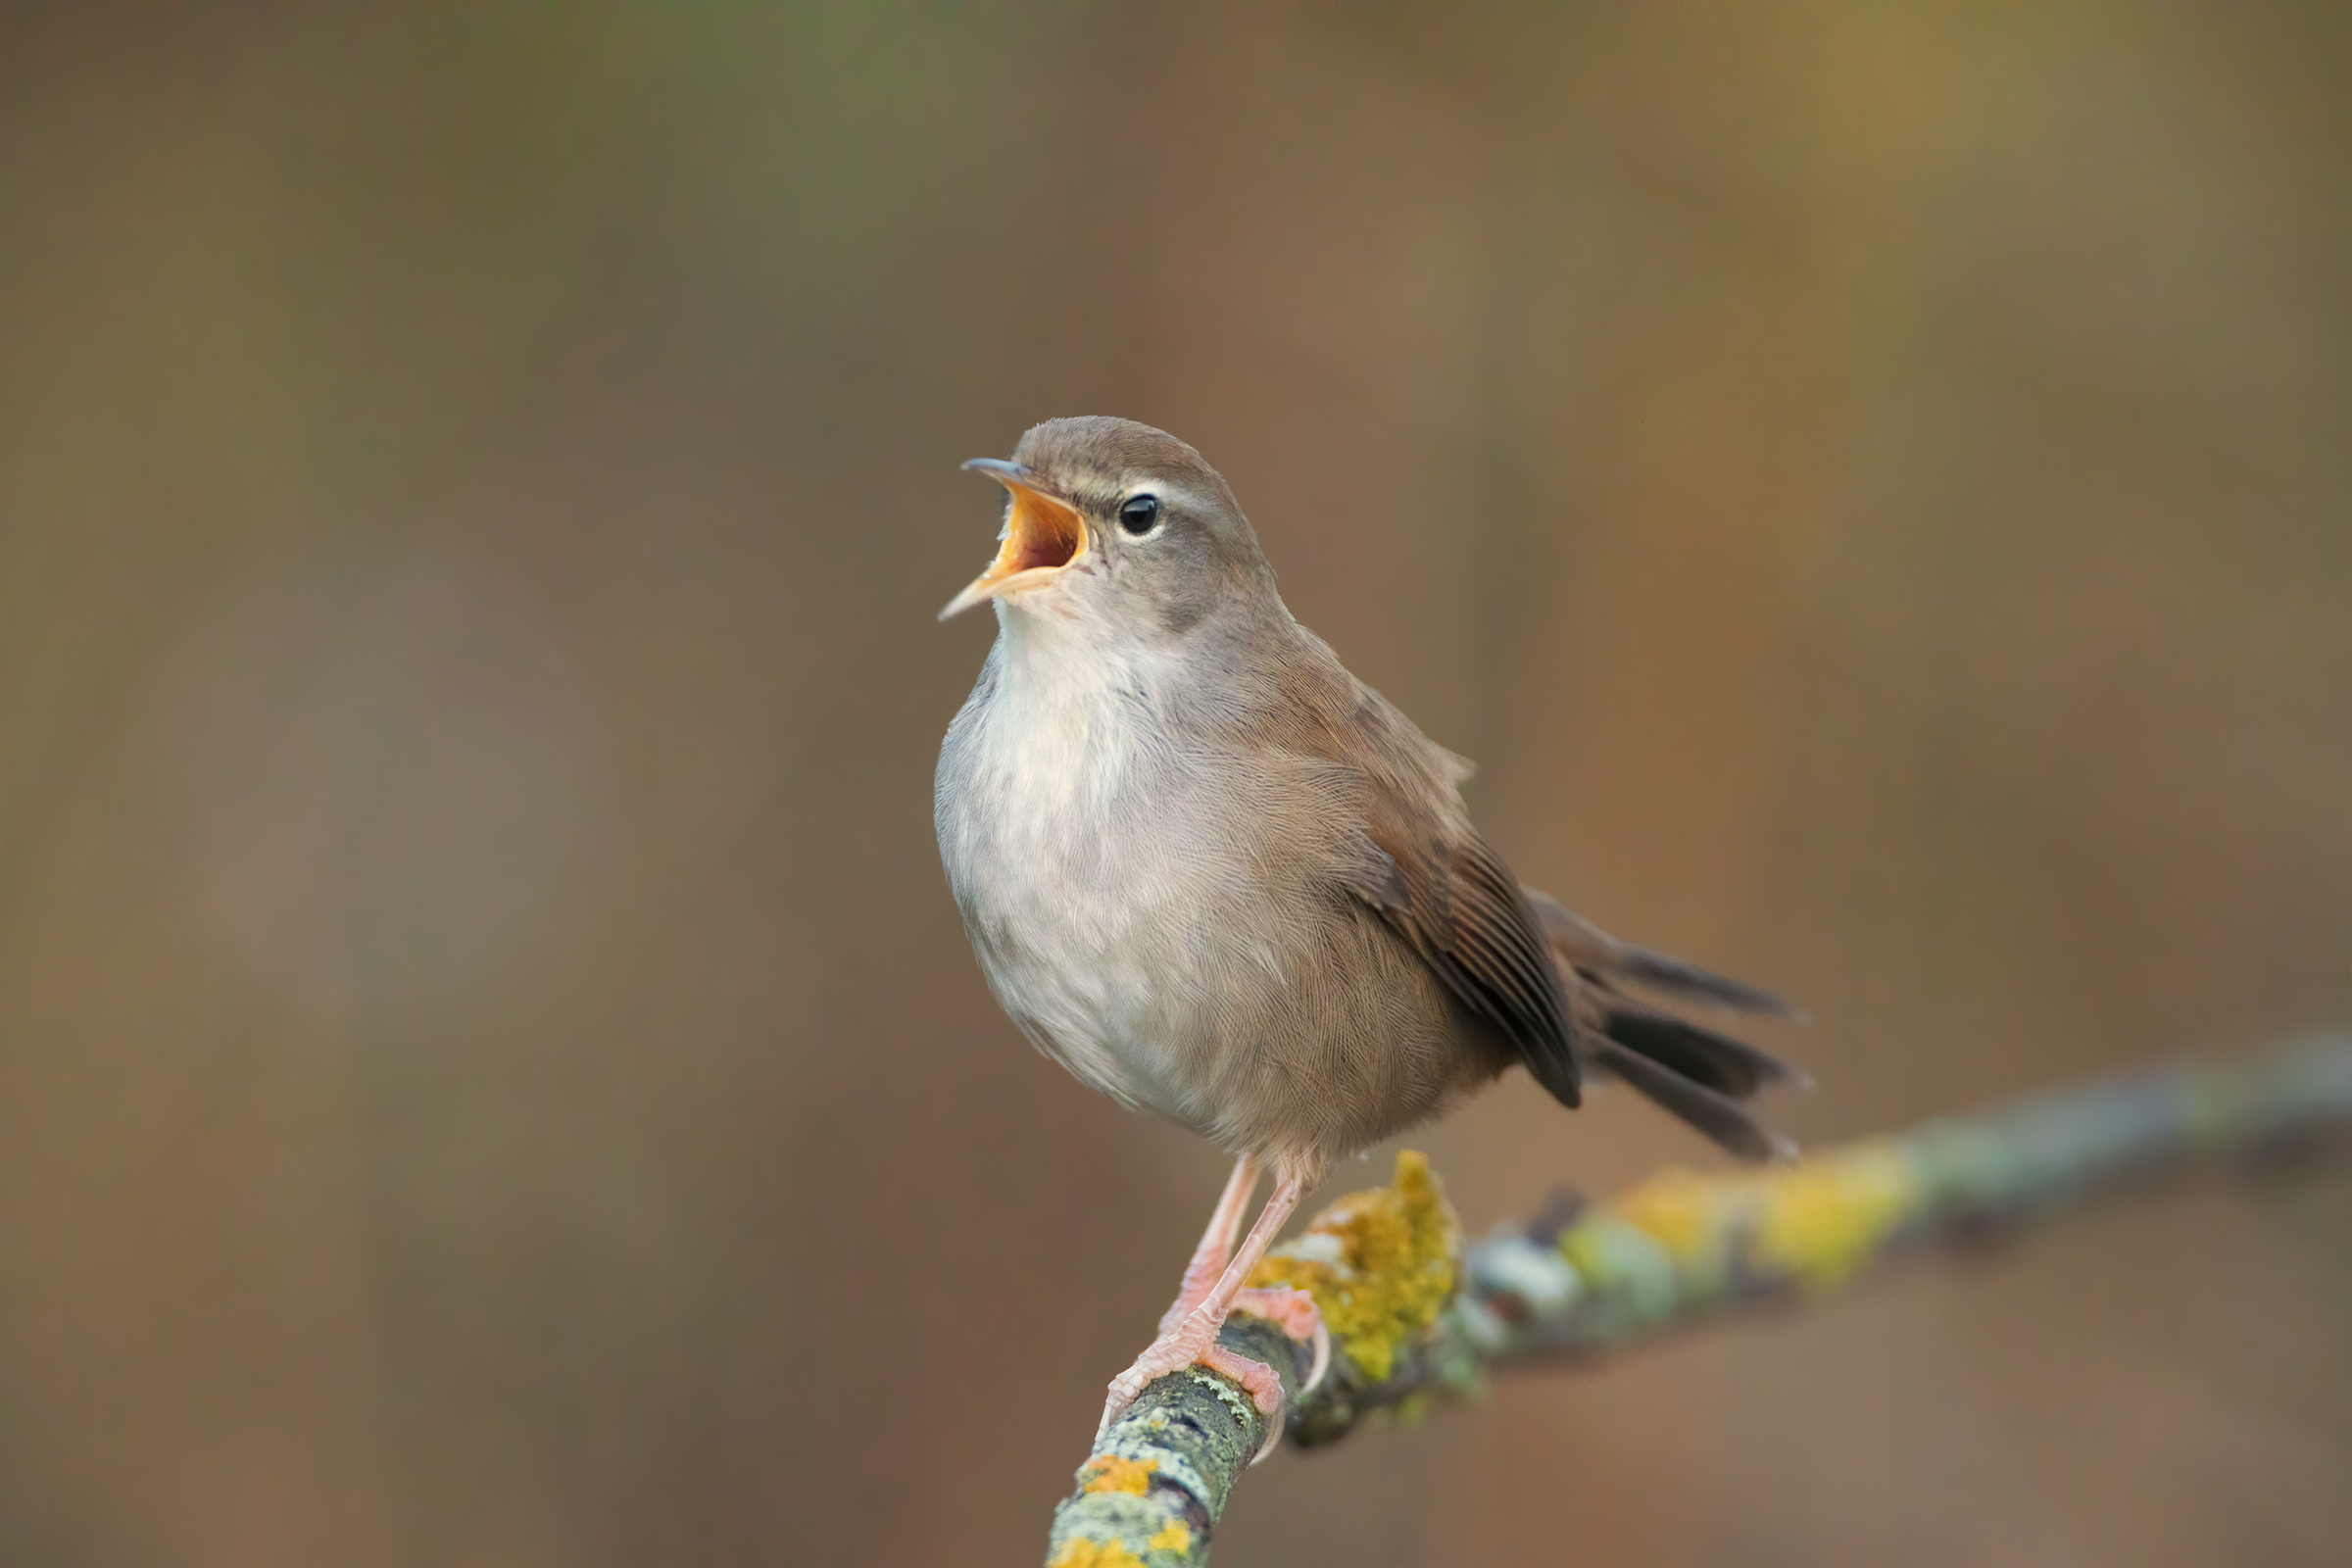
(490, 1075)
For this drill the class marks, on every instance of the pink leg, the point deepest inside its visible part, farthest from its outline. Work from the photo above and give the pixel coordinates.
(1192, 1340)
(1293, 1311)
(1216, 1244)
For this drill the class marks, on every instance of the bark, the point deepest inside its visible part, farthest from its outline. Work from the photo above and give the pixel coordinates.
(1415, 1318)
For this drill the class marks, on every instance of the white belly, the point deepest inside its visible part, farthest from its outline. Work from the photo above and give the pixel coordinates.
(1070, 837)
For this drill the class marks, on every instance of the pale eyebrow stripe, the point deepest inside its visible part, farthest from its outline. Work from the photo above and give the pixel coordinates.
(1175, 495)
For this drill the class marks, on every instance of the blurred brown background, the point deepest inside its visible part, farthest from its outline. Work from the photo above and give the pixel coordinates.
(489, 1072)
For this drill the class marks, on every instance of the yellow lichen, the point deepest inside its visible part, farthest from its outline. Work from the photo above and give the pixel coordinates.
(1175, 1535)
(1083, 1552)
(1680, 1211)
(1110, 1473)
(1380, 1263)
(1820, 1222)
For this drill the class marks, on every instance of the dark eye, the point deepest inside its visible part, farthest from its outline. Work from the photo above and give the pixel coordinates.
(1137, 514)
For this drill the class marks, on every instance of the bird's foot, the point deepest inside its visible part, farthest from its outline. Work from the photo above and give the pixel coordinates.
(1295, 1312)
(1193, 1342)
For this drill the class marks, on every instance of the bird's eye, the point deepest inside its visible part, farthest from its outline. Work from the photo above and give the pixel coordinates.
(1139, 514)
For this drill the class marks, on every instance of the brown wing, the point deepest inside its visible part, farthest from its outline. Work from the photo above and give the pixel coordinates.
(1457, 906)
(1420, 864)
(1545, 980)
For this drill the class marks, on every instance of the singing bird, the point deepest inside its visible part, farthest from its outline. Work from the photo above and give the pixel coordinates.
(1223, 881)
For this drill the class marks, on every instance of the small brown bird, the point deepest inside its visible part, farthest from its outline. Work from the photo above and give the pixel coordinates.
(1223, 881)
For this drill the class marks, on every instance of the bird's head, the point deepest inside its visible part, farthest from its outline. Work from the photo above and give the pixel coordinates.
(1114, 519)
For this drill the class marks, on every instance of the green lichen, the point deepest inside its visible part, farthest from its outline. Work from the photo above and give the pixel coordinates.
(1380, 1264)
(1229, 1396)
(1626, 1275)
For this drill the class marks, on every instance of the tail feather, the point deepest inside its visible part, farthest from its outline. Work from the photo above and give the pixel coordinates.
(1730, 1125)
(1663, 972)
(1587, 947)
(1725, 1065)
(1688, 1071)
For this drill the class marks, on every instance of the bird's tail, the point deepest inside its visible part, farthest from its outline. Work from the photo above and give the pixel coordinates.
(1694, 1073)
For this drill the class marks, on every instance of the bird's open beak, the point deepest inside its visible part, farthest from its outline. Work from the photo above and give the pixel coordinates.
(1043, 535)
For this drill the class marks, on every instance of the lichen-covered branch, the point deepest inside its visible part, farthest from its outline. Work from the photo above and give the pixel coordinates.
(1414, 1316)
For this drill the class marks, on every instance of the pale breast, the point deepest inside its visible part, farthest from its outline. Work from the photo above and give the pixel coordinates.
(1168, 921)
(1069, 889)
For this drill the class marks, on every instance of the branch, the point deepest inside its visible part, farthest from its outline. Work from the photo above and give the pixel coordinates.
(1412, 1317)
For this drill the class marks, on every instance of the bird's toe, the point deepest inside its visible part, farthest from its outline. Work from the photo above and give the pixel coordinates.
(1295, 1312)
(1193, 1343)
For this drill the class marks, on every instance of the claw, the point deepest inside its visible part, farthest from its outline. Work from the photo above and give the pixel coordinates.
(1273, 1438)
(1314, 1376)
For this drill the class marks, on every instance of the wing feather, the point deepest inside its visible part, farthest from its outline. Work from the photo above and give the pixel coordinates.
(1457, 906)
